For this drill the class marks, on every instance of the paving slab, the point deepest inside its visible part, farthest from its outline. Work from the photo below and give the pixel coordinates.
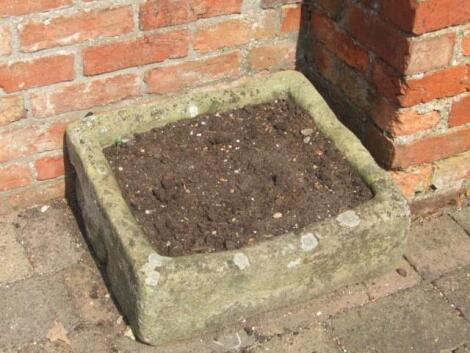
(226, 342)
(438, 246)
(29, 308)
(462, 217)
(14, 263)
(51, 236)
(40, 347)
(90, 295)
(402, 277)
(309, 313)
(464, 349)
(416, 320)
(310, 340)
(456, 288)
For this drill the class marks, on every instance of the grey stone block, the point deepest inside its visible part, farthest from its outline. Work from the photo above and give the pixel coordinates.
(167, 299)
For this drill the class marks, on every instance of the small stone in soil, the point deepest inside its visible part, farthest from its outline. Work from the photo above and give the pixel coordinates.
(306, 132)
(277, 215)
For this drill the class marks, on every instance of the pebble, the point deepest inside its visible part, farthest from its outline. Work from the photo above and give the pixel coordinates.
(277, 215)
(306, 132)
(129, 334)
(307, 139)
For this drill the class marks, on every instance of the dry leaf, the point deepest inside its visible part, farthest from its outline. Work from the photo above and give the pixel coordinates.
(58, 333)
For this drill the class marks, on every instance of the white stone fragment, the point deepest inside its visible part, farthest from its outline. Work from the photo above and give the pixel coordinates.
(294, 263)
(152, 279)
(241, 261)
(193, 110)
(157, 261)
(349, 219)
(308, 241)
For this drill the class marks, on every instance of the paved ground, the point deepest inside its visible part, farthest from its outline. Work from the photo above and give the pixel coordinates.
(54, 299)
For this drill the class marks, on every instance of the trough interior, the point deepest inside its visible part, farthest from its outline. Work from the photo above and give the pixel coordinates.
(224, 181)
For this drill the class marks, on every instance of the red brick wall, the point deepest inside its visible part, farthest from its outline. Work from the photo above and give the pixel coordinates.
(399, 71)
(396, 72)
(61, 59)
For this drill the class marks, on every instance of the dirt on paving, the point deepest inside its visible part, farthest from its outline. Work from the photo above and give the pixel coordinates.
(228, 180)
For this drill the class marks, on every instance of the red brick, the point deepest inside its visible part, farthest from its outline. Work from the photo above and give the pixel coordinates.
(389, 45)
(425, 16)
(386, 80)
(408, 92)
(66, 30)
(85, 95)
(432, 53)
(22, 7)
(176, 77)
(14, 176)
(332, 7)
(431, 148)
(411, 182)
(231, 33)
(135, 52)
(466, 44)
(352, 84)
(444, 83)
(17, 76)
(5, 40)
(402, 122)
(36, 195)
(325, 30)
(399, 12)
(460, 113)
(50, 167)
(162, 13)
(273, 56)
(379, 145)
(323, 61)
(27, 140)
(435, 202)
(11, 109)
(432, 15)
(291, 16)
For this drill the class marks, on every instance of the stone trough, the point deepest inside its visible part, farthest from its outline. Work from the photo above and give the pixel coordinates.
(167, 299)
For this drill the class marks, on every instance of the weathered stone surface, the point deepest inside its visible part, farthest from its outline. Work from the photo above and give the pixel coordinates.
(362, 243)
(402, 277)
(50, 237)
(462, 217)
(456, 288)
(417, 320)
(14, 264)
(313, 339)
(430, 242)
(29, 309)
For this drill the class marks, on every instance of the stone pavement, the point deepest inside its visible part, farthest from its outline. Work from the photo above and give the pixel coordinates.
(53, 298)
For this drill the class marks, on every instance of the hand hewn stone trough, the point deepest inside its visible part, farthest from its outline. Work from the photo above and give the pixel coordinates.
(167, 299)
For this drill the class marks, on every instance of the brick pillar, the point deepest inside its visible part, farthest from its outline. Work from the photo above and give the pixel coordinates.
(402, 70)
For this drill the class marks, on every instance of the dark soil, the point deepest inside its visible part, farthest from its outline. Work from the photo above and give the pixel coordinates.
(226, 181)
